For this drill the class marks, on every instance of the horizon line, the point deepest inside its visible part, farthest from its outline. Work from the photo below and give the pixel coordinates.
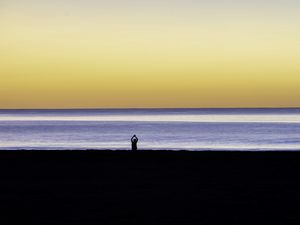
(137, 108)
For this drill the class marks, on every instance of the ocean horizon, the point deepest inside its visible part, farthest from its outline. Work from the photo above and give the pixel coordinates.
(194, 129)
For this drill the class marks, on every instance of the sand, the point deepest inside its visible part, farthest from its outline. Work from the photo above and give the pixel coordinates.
(149, 187)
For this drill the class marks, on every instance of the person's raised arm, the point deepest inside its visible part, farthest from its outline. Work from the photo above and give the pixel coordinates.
(133, 138)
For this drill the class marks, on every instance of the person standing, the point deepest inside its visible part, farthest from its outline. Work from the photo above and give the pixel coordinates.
(134, 141)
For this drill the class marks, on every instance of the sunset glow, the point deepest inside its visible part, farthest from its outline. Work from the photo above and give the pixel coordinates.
(159, 53)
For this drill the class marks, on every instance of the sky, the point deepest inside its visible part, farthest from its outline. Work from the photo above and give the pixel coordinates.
(142, 53)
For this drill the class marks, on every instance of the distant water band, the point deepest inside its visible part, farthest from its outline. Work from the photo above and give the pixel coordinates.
(169, 129)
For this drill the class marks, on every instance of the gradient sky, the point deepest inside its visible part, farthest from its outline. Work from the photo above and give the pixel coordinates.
(149, 53)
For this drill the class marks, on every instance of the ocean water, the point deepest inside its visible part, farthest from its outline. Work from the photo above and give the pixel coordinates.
(168, 129)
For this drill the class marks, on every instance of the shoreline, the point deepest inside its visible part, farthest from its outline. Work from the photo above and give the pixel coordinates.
(149, 150)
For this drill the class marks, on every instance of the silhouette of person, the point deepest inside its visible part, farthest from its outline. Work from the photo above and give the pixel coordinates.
(134, 141)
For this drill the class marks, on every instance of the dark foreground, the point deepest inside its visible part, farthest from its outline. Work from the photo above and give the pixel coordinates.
(149, 187)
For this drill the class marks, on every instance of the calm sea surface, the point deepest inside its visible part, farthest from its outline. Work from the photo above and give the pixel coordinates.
(174, 129)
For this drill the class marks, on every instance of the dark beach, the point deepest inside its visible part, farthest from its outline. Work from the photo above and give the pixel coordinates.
(149, 187)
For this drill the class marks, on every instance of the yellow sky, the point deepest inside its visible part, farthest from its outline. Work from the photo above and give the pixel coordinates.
(94, 54)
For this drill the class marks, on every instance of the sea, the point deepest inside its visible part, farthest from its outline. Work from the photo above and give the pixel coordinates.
(157, 129)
